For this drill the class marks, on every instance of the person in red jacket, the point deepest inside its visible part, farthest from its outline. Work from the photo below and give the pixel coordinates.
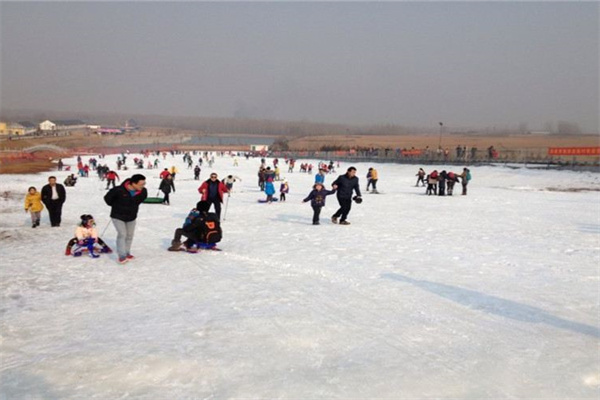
(212, 190)
(164, 174)
(111, 176)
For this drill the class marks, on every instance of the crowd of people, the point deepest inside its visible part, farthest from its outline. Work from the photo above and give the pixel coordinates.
(202, 228)
(442, 183)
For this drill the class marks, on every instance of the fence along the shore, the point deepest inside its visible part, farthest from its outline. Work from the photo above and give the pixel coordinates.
(586, 156)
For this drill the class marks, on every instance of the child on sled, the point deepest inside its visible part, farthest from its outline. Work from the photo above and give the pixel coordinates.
(86, 238)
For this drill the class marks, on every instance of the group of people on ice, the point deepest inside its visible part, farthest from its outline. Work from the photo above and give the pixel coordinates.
(442, 183)
(202, 228)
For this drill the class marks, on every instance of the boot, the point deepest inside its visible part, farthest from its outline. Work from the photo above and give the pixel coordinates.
(175, 245)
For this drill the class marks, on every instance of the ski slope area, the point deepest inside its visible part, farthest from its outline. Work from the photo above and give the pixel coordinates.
(490, 295)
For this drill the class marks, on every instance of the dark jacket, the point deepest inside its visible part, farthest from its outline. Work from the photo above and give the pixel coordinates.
(346, 185)
(124, 205)
(47, 194)
(198, 228)
(317, 197)
(166, 185)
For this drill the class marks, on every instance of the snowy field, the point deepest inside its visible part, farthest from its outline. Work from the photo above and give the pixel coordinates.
(490, 295)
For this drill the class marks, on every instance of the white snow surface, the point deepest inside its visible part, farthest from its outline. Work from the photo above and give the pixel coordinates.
(490, 295)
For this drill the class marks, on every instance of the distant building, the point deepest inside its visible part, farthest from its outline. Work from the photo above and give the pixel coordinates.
(47, 125)
(259, 147)
(62, 125)
(12, 128)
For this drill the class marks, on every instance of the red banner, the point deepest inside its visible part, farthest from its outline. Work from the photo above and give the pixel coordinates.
(415, 152)
(574, 151)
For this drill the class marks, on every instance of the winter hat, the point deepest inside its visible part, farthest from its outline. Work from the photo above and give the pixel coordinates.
(203, 206)
(85, 219)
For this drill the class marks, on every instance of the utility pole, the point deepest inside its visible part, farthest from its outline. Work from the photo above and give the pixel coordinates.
(441, 127)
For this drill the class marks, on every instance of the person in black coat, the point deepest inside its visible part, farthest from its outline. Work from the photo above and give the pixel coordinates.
(125, 201)
(346, 184)
(53, 197)
(165, 186)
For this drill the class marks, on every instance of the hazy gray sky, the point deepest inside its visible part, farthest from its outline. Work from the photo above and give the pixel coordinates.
(410, 63)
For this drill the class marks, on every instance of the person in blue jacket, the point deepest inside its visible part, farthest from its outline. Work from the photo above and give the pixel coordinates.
(269, 189)
(317, 200)
(320, 177)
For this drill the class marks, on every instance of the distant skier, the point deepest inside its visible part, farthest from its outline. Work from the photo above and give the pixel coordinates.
(197, 170)
(317, 200)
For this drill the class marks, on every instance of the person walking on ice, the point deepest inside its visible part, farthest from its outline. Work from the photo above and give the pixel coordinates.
(317, 200)
(346, 184)
(284, 189)
(53, 197)
(372, 177)
(213, 190)
(33, 205)
(166, 185)
(125, 201)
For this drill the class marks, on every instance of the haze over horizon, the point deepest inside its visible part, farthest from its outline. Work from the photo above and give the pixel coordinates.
(411, 63)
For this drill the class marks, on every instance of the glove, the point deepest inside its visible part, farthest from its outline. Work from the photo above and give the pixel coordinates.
(357, 199)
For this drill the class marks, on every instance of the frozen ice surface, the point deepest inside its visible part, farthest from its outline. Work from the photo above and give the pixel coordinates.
(490, 295)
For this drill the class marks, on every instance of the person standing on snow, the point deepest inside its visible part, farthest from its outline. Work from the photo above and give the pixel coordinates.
(173, 171)
(212, 190)
(125, 201)
(111, 176)
(345, 185)
(166, 185)
(269, 189)
(421, 177)
(320, 177)
(53, 197)
(284, 189)
(33, 204)
(465, 177)
(317, 200)
(372, 177)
